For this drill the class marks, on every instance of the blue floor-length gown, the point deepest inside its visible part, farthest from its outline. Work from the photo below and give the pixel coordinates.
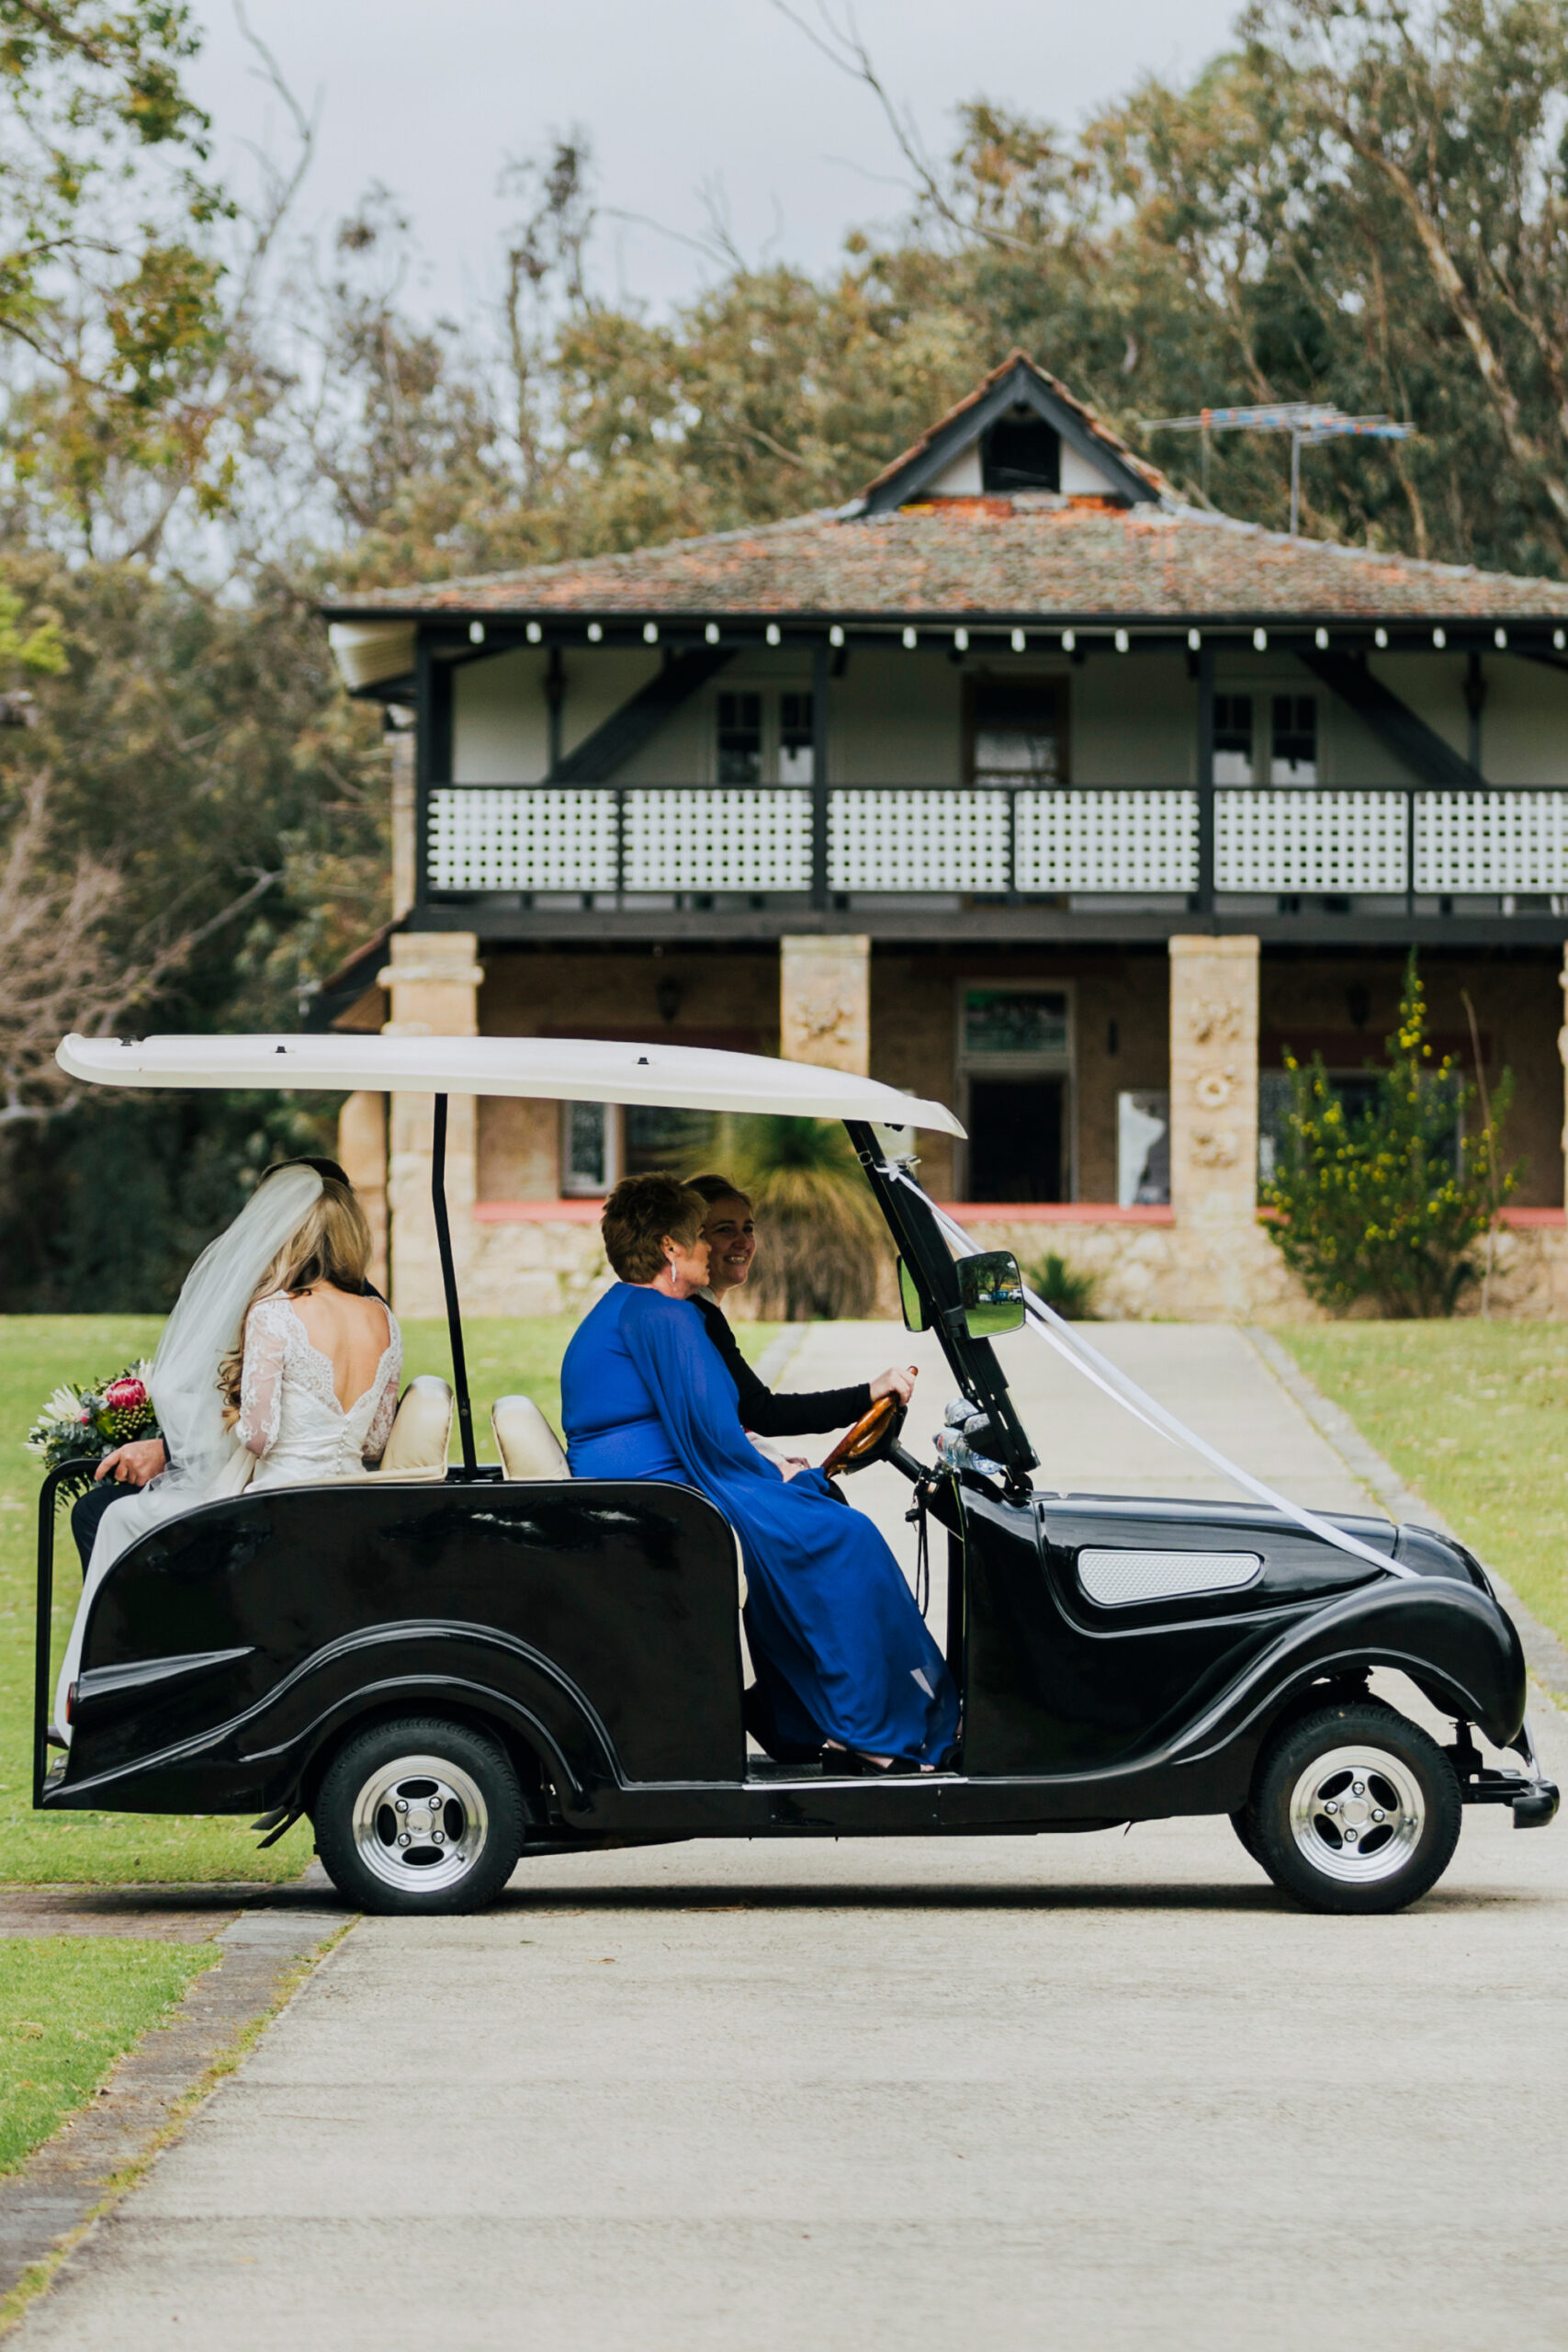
(839, 1647)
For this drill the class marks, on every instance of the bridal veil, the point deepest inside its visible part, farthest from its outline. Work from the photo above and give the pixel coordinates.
(205, 1459)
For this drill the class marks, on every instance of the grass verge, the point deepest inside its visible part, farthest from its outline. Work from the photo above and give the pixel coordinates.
(70, 2006)
(37, 1351)
(1474, 1415)
(286, 1981)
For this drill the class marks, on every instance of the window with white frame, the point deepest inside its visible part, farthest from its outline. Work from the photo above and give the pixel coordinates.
(1292, 751)
(797, 761)
(764, 738)
(590, 1149)
(740, 739)
(1233, 740)
(602, 1142)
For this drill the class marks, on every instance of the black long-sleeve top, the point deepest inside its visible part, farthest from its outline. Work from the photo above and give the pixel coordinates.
(789, 1415)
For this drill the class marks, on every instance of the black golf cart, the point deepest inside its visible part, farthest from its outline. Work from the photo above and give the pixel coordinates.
(448, 1674)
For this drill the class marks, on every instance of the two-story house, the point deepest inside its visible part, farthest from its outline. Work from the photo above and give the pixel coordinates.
(1015, 780)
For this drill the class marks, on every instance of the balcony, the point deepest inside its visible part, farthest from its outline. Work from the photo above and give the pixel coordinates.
(1028, 860)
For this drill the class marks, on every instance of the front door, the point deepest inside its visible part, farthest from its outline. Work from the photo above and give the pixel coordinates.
(1015, 1138)
(1015, 1060)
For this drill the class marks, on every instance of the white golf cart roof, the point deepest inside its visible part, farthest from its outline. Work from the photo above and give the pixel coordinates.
(564, 1069)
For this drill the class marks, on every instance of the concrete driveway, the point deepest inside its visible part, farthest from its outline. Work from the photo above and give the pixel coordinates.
(1103, 2091)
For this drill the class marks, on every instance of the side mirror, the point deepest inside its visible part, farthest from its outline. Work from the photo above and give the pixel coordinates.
(909, 1299)
(991, 1289)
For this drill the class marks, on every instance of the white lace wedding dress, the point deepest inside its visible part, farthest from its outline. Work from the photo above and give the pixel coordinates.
(292, 1432)
(289, 1415)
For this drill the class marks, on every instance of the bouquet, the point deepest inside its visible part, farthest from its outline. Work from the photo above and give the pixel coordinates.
(80, 1425)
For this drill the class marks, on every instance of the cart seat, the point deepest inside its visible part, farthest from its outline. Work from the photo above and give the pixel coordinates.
(422, 1433)
(527, 1445)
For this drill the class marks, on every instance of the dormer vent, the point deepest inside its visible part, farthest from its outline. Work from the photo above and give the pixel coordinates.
(1021, 451)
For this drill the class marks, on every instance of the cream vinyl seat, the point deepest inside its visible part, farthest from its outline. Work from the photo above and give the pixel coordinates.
(422, 1433)
(527, 1445)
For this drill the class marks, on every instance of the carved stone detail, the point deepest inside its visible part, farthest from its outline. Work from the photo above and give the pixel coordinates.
(824, 1002)
(1218, 1021)
(1213, 1088)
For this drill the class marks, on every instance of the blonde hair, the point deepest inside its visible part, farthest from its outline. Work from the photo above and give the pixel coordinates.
(330, 1244)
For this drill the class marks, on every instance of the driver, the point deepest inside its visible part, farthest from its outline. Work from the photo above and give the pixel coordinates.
(842, 1654)
(730, 1229)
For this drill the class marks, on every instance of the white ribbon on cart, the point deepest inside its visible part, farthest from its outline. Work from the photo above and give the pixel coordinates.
(1048, 1325)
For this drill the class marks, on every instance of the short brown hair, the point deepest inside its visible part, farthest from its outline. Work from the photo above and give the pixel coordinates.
(637, 1215)
(715, 1189)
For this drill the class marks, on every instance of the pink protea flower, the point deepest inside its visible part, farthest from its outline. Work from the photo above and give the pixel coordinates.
(124, 1395)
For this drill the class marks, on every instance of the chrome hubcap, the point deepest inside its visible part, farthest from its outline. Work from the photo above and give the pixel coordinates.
(1357, 1813)
(420, 1821)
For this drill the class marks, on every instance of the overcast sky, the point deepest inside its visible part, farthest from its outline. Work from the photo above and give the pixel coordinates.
(430, 96)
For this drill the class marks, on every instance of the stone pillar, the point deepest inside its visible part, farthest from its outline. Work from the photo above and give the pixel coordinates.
(1213, 1113)
(824, 1002)
(362, 1151)
(433, 980)
(1563, 1051)
(405, 822)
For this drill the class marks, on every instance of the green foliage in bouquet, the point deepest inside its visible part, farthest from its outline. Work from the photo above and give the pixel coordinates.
(82, 1424)
(1387, 1206)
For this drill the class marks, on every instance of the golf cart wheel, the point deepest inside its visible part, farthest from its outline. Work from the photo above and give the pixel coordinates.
(420, 1816)
(1354, 1808)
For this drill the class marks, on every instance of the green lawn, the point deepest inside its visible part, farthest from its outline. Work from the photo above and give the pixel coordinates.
(1474, 1415)
(37, 1351)
(68, 2006)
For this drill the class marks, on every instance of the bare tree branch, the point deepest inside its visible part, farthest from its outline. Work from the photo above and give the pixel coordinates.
(842, 46)
(57, 968)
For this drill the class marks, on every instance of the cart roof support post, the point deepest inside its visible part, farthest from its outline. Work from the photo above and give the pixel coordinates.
(449, 1284)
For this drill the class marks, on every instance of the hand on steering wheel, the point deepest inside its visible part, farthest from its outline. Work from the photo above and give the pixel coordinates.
(871, 1437)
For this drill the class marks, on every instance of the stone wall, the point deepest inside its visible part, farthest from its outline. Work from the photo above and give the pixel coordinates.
(536, 1265)
(1146, 1268)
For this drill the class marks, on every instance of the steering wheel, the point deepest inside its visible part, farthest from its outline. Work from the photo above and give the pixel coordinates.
(873, 1437)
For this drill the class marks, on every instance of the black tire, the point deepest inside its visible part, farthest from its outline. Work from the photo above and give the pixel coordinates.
(455, 1790)
(1353, 1809)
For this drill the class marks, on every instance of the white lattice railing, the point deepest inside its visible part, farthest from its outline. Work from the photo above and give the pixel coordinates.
(986, 842)
(699, 840)
(1482, 842)
(546, 837)
(1334, 842)
(888, 840)
(1107, 840)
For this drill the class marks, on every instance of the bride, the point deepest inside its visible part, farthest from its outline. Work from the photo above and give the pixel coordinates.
(275, 1369)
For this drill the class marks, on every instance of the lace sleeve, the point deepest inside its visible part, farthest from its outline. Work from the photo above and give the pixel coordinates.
(381, 1420)
(267, 1332)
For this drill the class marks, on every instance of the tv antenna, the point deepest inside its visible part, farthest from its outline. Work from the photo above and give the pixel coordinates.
(1308, 423)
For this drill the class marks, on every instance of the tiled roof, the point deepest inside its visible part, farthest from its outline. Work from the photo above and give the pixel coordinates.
(1032, 558)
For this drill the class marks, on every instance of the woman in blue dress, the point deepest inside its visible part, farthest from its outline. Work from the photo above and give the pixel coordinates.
(841, 1652)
